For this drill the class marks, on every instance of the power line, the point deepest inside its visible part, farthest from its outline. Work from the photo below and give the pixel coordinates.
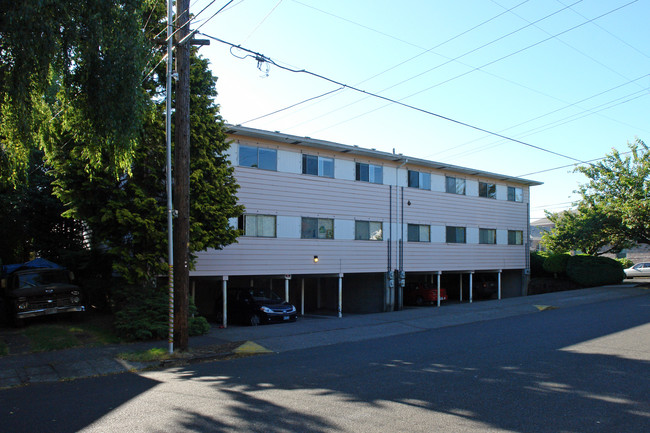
(570, 165)
(479, 67)
(294, 105)
(263, 59)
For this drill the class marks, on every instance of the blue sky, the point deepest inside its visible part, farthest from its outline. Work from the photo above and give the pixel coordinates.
(568, 76)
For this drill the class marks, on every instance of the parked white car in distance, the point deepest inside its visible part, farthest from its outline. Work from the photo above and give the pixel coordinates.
(638, 270)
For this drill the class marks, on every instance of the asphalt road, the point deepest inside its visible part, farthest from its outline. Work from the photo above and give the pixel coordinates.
(577, 369)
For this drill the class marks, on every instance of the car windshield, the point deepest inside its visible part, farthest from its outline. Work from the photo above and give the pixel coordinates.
(264, 295)
(33, 279)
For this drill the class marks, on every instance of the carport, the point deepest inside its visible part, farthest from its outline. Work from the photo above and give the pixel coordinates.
(223, 282)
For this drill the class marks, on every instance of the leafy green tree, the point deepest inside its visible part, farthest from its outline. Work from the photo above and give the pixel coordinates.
(614, 210)
(77, 61)
(128, 215)
(619, 188)
(31, 222)
(585, 229)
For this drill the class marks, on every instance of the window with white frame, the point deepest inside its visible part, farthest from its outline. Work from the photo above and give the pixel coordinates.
(419, 233)
(368, 230)
(258, 157)
(317, 165)
(419, 180)
(370, 173)
(317, 228)
(456, 235)
(258, 225)
(455, 185)
(515, 237)
(488, 190)
(487, 236)
(515, 194)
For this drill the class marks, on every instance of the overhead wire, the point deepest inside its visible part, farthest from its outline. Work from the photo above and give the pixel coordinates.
(482, 66)
(262, 58)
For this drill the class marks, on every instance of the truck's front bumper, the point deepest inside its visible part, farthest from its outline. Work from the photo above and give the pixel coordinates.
(48, 311)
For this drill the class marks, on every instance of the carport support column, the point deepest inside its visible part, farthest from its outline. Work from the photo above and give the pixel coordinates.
(471, 279)
(461, 288)
(302, 297)
(340, 295)
(439, 288)
(224, 292)
(499, 283)
(286, 287)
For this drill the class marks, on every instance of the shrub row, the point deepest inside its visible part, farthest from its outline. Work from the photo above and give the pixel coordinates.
(581, 269)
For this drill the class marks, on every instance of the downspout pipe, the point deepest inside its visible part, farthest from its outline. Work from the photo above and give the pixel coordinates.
(400, 231)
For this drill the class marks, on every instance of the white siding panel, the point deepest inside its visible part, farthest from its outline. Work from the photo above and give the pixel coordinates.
(502, 192)
(438, 182)
(232, 154)
(438, 234)
(471, 187)
(289, 162)
(344, 229)
(502, 237)
(472, 235)
(288, 227)
(389, 175)
(344, 169)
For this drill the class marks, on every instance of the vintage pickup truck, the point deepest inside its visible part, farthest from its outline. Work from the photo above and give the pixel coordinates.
(37, 288)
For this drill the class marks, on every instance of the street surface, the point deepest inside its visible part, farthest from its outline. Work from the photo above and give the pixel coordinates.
(577, 369)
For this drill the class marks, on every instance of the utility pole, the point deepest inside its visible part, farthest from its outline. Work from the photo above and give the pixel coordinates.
(182, 177)
(170, 208)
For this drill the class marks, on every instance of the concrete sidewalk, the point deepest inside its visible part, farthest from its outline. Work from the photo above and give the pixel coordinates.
(308, 331)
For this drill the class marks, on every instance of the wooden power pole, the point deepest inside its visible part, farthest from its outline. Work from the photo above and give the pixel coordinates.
(182, 177)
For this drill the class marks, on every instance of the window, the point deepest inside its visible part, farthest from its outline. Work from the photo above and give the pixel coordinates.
(317, 165)
(487, 236)
(515, 237)
(419, 180)
(370, 173)
(488, 190)
(455, 185)
(258, 157)
(317, 228)
(456, 235)
(419, 233)
(257, 225)
(368, 230)
(515, 194)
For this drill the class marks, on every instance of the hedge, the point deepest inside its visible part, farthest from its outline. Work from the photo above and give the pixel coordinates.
(589, 271)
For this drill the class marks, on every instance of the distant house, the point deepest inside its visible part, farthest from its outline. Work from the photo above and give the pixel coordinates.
(537, 229)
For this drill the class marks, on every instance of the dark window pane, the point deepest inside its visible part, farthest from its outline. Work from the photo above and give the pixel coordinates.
(414, 179)
(450, 184)
(309, 164)
(413, 233)
(248, 156)
(363, 172)
(361, 230)
(309, 228)
(267, 159)
(451, 234)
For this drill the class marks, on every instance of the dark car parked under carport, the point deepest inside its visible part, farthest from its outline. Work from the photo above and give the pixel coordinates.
(258, 306)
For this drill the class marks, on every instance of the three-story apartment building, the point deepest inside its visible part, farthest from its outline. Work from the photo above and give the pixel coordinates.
(343, 228)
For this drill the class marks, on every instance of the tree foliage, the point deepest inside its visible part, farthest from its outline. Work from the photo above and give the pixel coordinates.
(31, 222)
(128, 215)
(80, 62)
(613, 212)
